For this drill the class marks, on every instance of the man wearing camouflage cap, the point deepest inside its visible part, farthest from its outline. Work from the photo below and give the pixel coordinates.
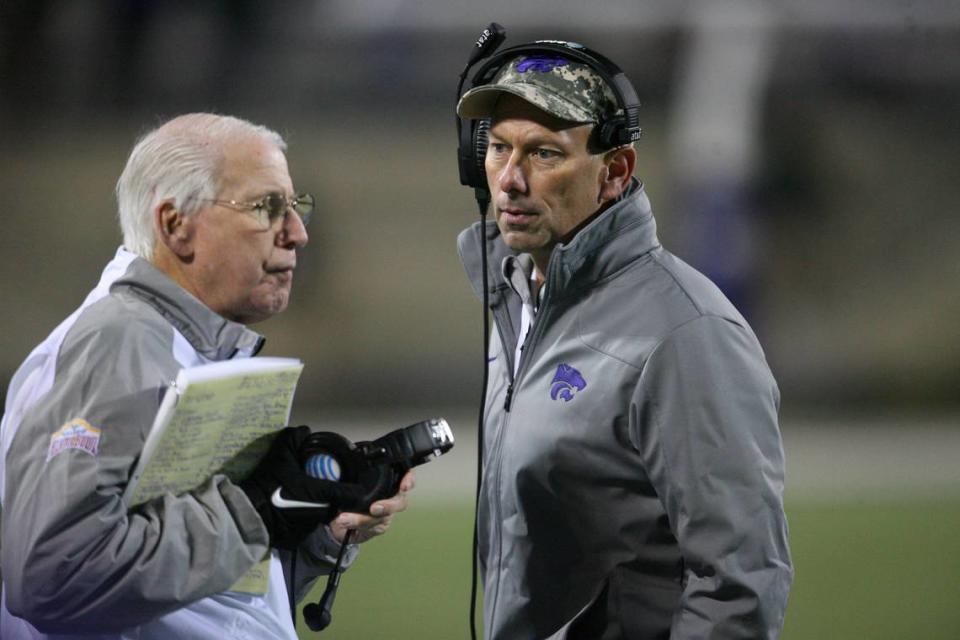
(633, 471)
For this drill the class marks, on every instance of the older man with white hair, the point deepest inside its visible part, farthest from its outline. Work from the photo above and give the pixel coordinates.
(211, 228)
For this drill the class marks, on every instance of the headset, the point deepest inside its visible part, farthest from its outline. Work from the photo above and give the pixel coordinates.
(613, 130)
(378, 467)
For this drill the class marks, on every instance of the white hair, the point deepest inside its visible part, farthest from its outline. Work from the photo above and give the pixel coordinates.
(181, 160)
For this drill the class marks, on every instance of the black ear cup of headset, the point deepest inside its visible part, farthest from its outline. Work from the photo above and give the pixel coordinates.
(613, 131)
(331, 456)
(480, 133)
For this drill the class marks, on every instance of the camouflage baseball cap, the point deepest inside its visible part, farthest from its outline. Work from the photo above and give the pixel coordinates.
(563, 88)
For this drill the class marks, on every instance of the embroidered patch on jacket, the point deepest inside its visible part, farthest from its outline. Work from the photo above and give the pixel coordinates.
(74, 434)
(566, 383)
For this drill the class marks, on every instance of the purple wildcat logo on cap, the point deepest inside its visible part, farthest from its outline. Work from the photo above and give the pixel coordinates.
(541, 64)
(566, 383)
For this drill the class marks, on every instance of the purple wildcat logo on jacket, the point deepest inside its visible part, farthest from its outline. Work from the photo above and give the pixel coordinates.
(566, 383)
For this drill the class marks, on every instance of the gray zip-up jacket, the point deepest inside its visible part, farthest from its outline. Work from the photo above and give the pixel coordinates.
(75, 559)
(633, 466)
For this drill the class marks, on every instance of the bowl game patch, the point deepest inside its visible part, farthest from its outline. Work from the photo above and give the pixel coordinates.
(74, 434)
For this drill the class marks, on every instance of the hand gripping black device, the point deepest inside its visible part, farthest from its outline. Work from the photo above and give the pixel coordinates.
(378, 466)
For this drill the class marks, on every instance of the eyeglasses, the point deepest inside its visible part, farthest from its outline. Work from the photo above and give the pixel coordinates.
(274, 206)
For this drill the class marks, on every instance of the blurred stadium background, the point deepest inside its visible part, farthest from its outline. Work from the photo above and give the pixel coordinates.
(802, 153)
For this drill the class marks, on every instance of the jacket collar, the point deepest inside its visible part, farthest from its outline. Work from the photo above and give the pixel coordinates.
(209, 333)
(609, 243)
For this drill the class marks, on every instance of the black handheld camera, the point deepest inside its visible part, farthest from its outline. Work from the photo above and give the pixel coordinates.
(376, 465)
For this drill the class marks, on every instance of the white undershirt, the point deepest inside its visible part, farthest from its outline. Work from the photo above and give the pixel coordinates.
(527, 313)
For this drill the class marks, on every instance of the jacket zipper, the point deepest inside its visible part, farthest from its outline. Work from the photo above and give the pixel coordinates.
(508, 401)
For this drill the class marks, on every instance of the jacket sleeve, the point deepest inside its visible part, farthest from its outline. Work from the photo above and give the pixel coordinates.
(704, 418)
(74, 558)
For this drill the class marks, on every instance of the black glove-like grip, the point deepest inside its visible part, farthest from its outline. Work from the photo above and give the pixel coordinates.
(281, 469)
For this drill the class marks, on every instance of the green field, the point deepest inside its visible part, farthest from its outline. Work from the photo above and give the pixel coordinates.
(887, 571)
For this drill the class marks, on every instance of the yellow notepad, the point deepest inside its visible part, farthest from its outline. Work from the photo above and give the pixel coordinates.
(216, 418)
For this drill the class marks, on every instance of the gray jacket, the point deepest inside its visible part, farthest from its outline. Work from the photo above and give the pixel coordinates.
(633, 472)
(75, 559)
